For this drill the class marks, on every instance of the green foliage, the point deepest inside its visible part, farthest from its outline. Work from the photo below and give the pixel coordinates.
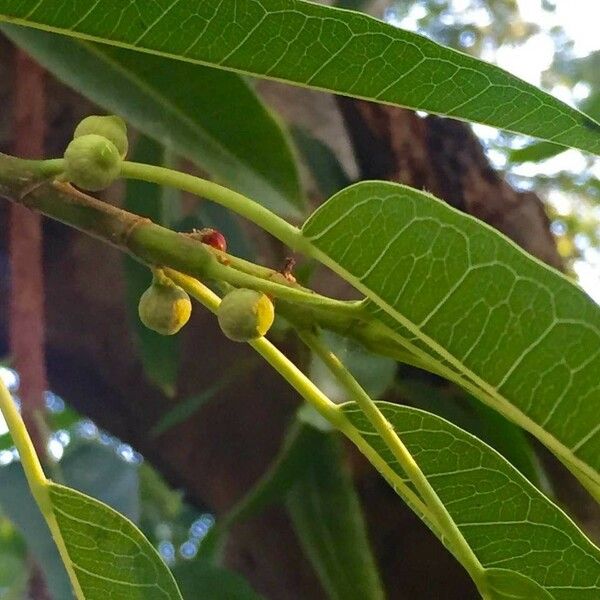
(508, 523)
(88, 467)
(468, 413)
(120, 562)
(202, 579)
(443, 292)
(404, 68)
(327, 517)
(208, 116)
(476, 308)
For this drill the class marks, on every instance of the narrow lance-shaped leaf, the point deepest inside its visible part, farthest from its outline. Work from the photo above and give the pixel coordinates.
(515, 333)
(328, 519)
(320, 47)
(208, 116)
(530, 549)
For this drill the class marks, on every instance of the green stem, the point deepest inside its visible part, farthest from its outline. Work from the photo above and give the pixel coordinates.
(36, 479)
(384, 428)
(221, 272)
(314, 396)
(238, 203)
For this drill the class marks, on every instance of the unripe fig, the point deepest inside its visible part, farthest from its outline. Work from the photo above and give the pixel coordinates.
(245, 315)
(92, 162)
(164, 307)
(111, 127)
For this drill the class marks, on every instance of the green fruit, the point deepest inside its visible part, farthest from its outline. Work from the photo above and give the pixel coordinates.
(111, 127)
(245, 315)
(164, 307)
(92, 162)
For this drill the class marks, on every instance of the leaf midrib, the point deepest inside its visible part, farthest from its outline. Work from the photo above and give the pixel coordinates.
(131, 46)
(479, 388)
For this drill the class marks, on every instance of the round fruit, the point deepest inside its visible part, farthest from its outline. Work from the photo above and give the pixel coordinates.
(92, 162)
(245, 315)
(164, 307)
(111, 127)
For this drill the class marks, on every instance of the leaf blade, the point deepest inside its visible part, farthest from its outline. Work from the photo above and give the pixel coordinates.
(514, 530)
(327, 517)
(324, 48)
(121, 563)
(211, 117)
(432, 273)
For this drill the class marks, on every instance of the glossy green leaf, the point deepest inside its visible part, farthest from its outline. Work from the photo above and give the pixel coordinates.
(328, 519)
(109, 555)
(159, 353)
(527, 542)
(466, 300)
(208, 116)
(321, 47)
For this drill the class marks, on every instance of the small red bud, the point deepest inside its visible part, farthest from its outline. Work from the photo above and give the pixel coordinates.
(212, 237)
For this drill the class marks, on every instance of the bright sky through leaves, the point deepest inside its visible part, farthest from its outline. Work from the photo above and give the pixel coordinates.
(528, 61)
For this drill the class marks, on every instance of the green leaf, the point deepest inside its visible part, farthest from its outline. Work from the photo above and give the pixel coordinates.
(201, 580)
(91, 468)
(525, 541)
(208, 116)
(324, 166)
(328, 519)
(475, 417)
(321, 47)
(474, 307)
(543, 150)
(19, 507)
(514, 586)
(159, 353)
(534, 152)
(109, 555)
